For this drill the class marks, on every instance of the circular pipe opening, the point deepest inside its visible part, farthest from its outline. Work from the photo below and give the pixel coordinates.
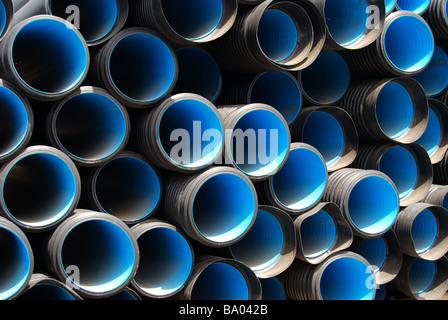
(4, 19)
(374, 250)
(48, 184)
(434, 79)
(331, 88)
(88, 246)
(128, 188)
(224, 207)
(16, 263)
(408, 43)
(137, 77)
(47, 291)
(301, 181)
(90, 127)
(166, 260)
(431, 137)
(373, 204)
(421, 275)
(390, 5)
(416, 6)
(424, 230)
(190, 132)
(280, 90)
(272, 289)
(220, 281)
(49, 57)
(318, 233)
(345, 278)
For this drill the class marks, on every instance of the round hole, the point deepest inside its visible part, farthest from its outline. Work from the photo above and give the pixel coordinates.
(317, 233)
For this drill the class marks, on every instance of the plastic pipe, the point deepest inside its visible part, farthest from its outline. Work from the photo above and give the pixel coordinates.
(416, 6)
(43, 287)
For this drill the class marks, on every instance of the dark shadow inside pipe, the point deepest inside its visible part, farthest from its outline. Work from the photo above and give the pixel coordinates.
(421, 275)
(424, 230)
(46, 291)
(272, 289)
(434, 79)
(318, 233)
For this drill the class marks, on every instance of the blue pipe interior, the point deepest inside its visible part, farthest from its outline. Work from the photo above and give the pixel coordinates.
(346, 20)
(433, 133)
(3, 17)
(88, 246)
(400, 165)
(416, 6)
(374, 250)
(421, 275)
(223, 207)
(194, 19)
(318, 233)
(345, 278)
(331, 87)
(91, 126)
(220, 281)
(408, 43)
(373, 204)
(48, 56)
(137, 77)
(394, 109)
(96, 18)
(279, 90)
(445, 201)
(424, 230)
(324, 132)
(198, 73)
(16, 263)
(434, 79)
(166, 261)
(46, 182)
(190, 133)
(272, 289)
(262, 245)
(267, 142)
(47, 291)
(390, 5)
(123, 295)
(301, 181)
(128, 188)
(14, 121)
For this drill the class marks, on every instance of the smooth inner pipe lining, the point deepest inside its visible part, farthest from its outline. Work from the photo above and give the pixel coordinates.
(272, 289)
(318, 233)
(390, 4)
(374, 250)
(416, 6)
(424, 230)
(433, 133)
(46, 291)
(434, 79)
(421, 275)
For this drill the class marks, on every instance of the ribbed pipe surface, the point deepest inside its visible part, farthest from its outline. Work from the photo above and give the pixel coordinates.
(42, 287)
(437, 195)
(436, 16)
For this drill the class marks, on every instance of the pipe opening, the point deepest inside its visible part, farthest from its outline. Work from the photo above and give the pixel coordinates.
(14, 121)
(433, 133)
(3, 18)
(332, 87)
(374, 250)
(434, 79)
(416, 6)
(48, 56)
(445, 201)
(272, 289)
(394, 109)
(165, 261)
(262, 245)
(47, 182)
(373, 204)
(301, 181)
(346, 20)
(90, 126)
(16, 263)
(193, 19)
(390, 5)
(137, 76)
(324, 132)
(408, 43)
(224, 207)
(421, 275)
(267, 142)
(345, 278)
(128, 188)
(220, 281)
(424, 230)
(47, 291)
(318, 233)
(279, 90)
(190, 133)
(88, 246)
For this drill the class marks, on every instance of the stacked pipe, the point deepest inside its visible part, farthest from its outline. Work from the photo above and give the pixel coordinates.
(223, 149)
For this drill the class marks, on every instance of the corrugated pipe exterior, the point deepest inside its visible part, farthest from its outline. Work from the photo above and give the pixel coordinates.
(344, 275)
(188, 199)
(268, 139)
(368, 200)
(98, 20)
(50, 182)
(127, 186)
(422, 231)
(271, 36)
(330, 130)
(407, 165)
(45, 56)
(218, 278)
(440, 171)
(436, 16)
(166, 259)
(437, 195)
(90, 126)
(184, 133)
(44, 287)
(79, 254)
(404, 48)
(17, 260)
(392, 109)
(321, 232)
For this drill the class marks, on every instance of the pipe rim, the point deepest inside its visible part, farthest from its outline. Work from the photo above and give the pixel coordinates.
(417, 7)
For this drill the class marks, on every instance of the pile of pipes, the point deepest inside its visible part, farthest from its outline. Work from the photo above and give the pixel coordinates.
(223, 149)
